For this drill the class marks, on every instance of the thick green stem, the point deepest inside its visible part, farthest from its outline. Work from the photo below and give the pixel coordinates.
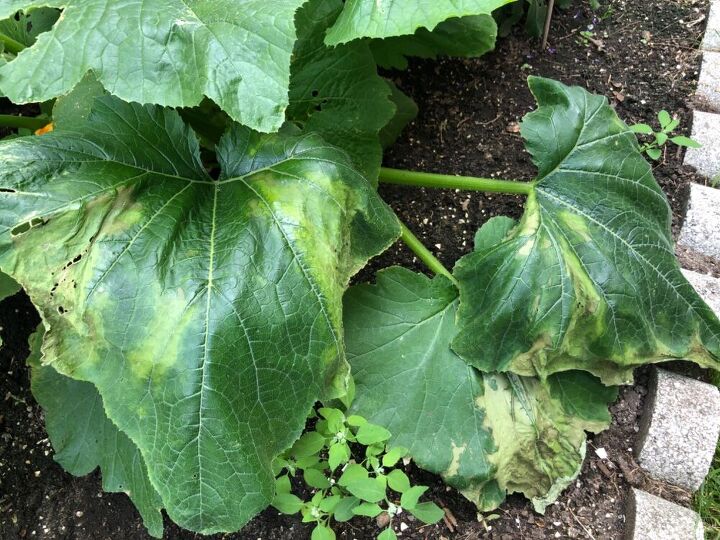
(423, 253)
(10, 45)
(413, 178)
(27, 122)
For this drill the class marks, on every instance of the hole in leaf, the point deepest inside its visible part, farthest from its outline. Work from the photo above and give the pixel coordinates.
(61, 310)
(19, 229)
(7, 190)
(315, 93)
(24, 227)
(17, 16)
(70, 263)
(319, 106)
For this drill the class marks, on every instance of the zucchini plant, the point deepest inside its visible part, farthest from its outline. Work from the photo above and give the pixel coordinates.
(188, 229)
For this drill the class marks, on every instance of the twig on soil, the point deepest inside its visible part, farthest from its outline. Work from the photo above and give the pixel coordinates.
(491, 121)
(448, 524)
(584, 528)
(629, 472)
(450, 520)
(548, 18)
(698, 21)
(603, 469)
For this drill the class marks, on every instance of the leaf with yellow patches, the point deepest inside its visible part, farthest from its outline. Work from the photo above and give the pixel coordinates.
(485, 434)
(91, 440)
(207, 313)
(588, 278)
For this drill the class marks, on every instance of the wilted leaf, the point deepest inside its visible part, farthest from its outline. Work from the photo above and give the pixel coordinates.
(485, 434)
(207, 313)
(89, 440)
(588, 278)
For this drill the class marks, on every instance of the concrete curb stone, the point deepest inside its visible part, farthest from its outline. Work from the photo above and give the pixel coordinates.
(679, 429)
(652, 518)
(708, 88)
(706, 131)
(711, 41)
(708, 287)
(701, 229)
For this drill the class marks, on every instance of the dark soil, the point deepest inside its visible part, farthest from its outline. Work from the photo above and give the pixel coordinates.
(643, 57)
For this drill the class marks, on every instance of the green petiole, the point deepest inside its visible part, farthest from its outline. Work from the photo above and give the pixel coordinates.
(413, 178)
(10, 45)
(423, 253)
(26, 122)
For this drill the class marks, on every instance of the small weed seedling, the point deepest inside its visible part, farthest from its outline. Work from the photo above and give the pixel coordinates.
(346, 487)
(653, 148)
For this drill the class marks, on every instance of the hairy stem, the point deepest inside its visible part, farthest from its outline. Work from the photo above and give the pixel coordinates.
(423, 253)
(10, 45)
(413, 178)
(27, 122)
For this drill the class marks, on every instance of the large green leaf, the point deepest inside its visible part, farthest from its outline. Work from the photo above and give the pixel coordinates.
(405, 112)
(169, 52)
(460, 36)
(336, 91)
(207, 313)
(588, 279)
(72, 110)
(486, 434)
(388, 18)
(90, 440)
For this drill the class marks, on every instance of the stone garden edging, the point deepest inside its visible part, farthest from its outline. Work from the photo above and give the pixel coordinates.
(681, 421)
